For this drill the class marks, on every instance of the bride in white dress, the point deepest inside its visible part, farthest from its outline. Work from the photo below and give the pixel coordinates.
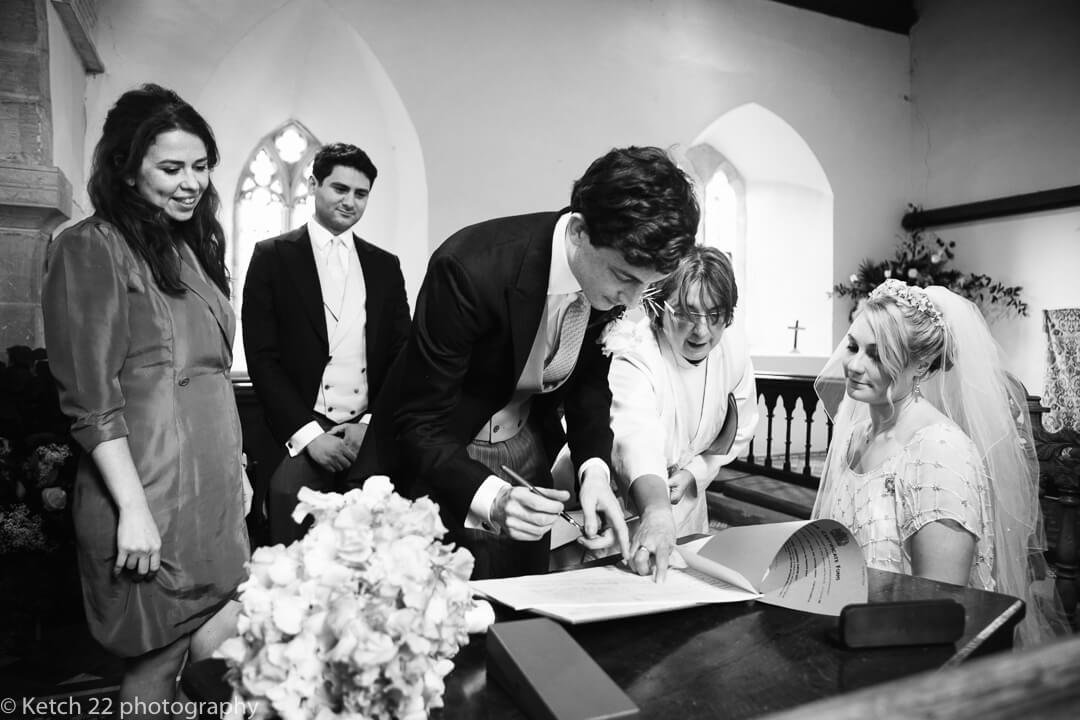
(932, 462)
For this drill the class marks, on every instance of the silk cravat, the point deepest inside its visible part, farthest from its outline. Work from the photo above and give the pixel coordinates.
(571, 332)
(337, 271)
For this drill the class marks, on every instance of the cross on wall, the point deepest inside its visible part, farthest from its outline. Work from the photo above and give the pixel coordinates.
(796, 327)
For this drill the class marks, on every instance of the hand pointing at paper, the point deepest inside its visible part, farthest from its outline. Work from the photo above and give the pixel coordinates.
(654, 540)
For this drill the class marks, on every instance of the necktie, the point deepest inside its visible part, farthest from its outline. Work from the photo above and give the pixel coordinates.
(571, 331)
(335, 275)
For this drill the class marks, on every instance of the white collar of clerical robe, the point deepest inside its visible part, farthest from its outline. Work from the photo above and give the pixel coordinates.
(689, 385)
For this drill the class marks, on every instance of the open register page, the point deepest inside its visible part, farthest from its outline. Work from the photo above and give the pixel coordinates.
(815, 566)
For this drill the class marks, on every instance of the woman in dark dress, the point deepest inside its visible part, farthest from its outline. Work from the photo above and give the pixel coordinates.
(139, 334)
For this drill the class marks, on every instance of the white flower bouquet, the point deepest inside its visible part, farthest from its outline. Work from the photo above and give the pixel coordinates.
(358, 619)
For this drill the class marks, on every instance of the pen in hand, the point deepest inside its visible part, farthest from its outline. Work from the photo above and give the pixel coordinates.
(522, 482)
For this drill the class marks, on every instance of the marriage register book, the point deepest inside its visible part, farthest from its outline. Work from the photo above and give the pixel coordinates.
(815, 566)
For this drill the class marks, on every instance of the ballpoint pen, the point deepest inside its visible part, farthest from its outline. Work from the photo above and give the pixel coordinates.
(565, 515)
(532, 488)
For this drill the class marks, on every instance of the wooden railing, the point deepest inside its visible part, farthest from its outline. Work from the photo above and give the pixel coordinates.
(784, 450)
(788, 391)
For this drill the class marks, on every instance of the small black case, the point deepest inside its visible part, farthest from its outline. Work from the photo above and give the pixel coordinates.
(550, 675)
(910, 622)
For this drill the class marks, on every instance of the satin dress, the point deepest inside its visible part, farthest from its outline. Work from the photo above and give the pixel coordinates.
(131, 361)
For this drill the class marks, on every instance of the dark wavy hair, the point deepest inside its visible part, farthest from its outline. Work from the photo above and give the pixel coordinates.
(131, 127)
(330, 156)
(711, 269)
(635, 200)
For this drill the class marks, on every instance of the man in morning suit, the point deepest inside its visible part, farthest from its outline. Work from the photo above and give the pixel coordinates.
(505, 334)
(324, 314)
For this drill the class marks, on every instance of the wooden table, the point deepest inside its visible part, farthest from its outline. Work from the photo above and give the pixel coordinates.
(737, 660)
(746, 659)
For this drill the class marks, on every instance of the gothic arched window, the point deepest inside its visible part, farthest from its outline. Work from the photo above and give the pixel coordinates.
(272, 197)
(767, 200)
(272, 193)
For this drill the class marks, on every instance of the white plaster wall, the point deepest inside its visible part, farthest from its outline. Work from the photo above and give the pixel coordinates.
(785, 255)
(787, 271)
(330, 81)
(1041, 252)
(996, 87)
(511, 99)
(545, 87)
(248, 72)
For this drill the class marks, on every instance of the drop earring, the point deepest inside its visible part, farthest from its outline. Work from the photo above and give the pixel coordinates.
(916, 392)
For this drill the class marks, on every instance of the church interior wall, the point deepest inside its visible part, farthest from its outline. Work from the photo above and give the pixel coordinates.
(35, 150)
(510, 100)
(996, 89)
(780, 220)
(796, 241)
(67, 85)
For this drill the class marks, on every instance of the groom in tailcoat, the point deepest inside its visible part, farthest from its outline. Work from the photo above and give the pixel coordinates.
(505, 339)
(324, 313)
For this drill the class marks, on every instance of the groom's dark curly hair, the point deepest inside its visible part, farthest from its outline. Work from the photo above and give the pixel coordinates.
(637, 201)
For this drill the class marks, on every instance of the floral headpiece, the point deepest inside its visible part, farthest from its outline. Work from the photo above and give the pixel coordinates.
(912, 297)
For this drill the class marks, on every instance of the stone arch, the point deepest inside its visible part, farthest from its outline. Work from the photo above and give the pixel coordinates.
(783, 226)
(307, 61)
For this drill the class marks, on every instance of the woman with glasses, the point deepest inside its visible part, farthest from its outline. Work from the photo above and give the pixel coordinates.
(684, 404)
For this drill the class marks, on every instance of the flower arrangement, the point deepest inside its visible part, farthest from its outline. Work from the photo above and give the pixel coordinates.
(37, 456)
(621, 335)
(22, 530)
(921, 259)
(358, 619)
(37, 496)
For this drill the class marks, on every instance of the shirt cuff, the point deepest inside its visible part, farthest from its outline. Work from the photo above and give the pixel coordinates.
(698, 468)
(365, 419)
(479, 517)
(302, 438)
(603, 466)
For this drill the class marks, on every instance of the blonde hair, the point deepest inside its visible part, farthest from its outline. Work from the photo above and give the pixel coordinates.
(905, 336)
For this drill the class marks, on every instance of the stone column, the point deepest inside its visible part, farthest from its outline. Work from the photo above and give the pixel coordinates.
(34, 195)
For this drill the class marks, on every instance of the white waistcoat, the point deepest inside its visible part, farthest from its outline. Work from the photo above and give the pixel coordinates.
(343, 390)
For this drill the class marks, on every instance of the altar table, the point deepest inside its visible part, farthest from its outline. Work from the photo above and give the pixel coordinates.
(744, 660)
(712, 662)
